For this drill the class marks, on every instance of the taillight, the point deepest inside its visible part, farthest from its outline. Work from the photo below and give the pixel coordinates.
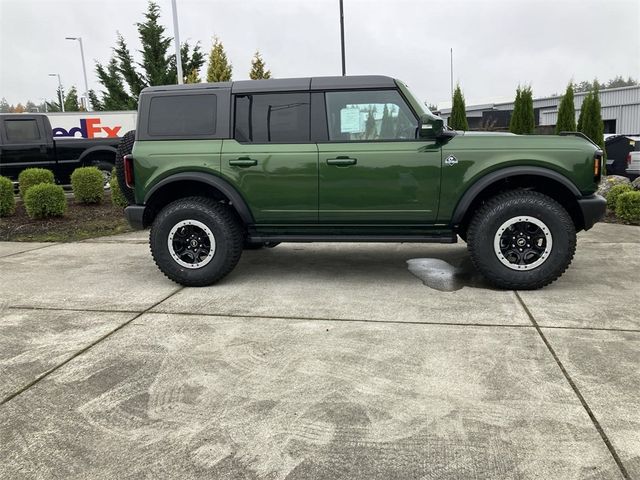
(128, 171)
(597, 166)
(628, 159)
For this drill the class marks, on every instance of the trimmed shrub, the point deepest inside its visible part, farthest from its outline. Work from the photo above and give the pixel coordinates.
(628, 206)
(7, 202)
(614, 193)
(45, 200)
(33, 176)
(117, 198)
(87, 184)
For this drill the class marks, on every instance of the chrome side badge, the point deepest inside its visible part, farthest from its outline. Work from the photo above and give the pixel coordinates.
(451, 160)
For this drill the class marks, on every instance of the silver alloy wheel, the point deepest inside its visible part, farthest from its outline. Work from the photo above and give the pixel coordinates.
(191, 244)
(523, 243)
(106, 178)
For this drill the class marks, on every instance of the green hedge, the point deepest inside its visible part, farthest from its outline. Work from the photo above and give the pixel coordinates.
(45, 200)
(87, 184)
(615, 192)
(117, 198)
(7, 202)
(628, 206)
(33, 176)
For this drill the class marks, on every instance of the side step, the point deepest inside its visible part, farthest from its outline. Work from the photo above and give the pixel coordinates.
(448, 238)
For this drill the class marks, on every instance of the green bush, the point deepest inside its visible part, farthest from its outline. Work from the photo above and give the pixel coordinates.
(628, 206)
(7, 202)
(615, 192)
(117, 198)
(33, 176)
(45, 200)
(87, 184)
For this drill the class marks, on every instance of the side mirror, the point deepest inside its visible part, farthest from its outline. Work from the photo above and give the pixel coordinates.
(430, 126)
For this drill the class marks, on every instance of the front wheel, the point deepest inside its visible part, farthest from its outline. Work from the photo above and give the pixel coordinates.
(521, 240)
(196, 241)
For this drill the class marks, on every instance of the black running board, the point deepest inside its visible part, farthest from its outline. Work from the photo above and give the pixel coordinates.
(449, 238)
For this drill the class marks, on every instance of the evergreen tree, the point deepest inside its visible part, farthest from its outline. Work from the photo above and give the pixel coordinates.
(386, 126)
(586, 104)
(458, 118)
(71, 102)
(592, 125)
(219, 69)
(258, 68)
(528, 115)
(96, 103)
(156, 63)
(192, 62)
(126, 67)
(370, 125)
(4, 106)
(115, 97)
(515, 124)
(567, 112)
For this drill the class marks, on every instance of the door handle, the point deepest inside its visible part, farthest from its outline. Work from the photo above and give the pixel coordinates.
(342, 161)
(243, 162)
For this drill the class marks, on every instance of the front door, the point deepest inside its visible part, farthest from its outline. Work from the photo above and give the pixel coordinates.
(373, 170)
(25, 144)
(271, 160)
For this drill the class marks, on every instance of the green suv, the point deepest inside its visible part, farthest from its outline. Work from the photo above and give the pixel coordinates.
(219, 167)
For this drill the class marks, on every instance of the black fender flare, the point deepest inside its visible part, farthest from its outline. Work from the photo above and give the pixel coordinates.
(97, 149)
(213, 181)
(475, 189)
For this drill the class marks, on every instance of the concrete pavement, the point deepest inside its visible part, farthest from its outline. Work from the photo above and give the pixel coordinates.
(318, 361)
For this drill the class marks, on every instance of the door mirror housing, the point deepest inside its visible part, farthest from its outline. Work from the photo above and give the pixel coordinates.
(431, 126)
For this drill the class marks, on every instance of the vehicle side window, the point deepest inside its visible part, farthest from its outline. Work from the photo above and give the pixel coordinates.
(20, 131)
(367, 115)
(272, 118)
(182, 115)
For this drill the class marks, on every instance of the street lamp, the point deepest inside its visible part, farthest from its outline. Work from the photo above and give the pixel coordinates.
(177, 41)
(60, 89)
(84, 72)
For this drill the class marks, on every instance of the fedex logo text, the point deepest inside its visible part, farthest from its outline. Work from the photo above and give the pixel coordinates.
(89, 128)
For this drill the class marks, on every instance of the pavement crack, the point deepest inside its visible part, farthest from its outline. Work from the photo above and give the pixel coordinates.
(577, 392)
(29, 251)
(85, 349)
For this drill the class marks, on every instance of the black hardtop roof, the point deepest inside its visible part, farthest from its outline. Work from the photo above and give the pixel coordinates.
(286, 84)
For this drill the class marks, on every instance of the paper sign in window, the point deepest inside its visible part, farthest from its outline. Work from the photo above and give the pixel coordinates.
(350, 120)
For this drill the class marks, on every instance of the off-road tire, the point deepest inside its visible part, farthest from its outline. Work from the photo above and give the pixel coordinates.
(222, 223)
(485, 225)
(125, 147)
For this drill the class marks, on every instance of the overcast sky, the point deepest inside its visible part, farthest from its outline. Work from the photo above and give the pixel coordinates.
(496, 44)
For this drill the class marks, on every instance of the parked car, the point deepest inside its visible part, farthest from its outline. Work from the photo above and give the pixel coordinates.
(26, 141)
(347, 159)
(633, 165)
(618, 148)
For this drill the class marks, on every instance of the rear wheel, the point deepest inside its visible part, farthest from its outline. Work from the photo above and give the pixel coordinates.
(521, 240)
(125, 147)
(105, 168)
(196, 241)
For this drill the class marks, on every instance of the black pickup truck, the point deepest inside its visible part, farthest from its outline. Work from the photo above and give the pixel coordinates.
(26, 141)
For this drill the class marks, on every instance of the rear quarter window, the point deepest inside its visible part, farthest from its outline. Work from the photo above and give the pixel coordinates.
(182, 115)
(18, 131)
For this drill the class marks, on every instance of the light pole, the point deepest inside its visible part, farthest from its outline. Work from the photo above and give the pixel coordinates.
(61, 95)
(84, 72)
(177, 40)
(344, 68)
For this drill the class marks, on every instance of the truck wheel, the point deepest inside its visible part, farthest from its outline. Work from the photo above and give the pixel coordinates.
(105, 169)
(125, 147)
(521, 240)
(196, 241)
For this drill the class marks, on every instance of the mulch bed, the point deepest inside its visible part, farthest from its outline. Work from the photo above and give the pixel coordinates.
(78, 223)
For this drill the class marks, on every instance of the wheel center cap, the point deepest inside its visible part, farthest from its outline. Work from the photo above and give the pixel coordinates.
(521, 242)
(194, 243)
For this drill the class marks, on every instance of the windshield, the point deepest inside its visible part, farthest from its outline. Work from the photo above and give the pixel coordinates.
(417, 105)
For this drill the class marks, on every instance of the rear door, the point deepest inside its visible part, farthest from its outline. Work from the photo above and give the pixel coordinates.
(271, 160)
(26, 143)
(373, 169)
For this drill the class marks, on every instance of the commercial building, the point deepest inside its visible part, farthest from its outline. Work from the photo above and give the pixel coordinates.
(620, 112)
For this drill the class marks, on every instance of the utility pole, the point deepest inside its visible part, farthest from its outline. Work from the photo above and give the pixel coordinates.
(344, 68)
(176, 36)
(61, 95)
(87, 105)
